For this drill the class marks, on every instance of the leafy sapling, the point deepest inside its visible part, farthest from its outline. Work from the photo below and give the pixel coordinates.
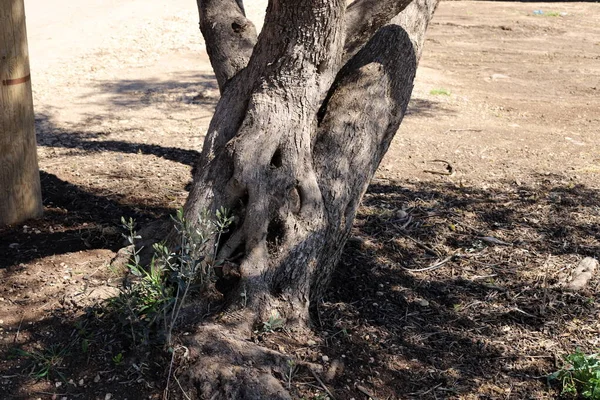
(162, 288)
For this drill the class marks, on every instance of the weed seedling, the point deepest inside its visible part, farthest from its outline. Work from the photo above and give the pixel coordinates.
(274, 323)
(291, 371)
(439, 92)
(580, 376)
(118, 359)
(45, 363)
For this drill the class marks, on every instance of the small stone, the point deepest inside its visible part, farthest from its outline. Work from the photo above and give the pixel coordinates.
(81, 382)
(401, 214)
(58, 384)
(325, 359)
(108, 396)
(423, 303)
(310, 342)
(496, 77)
(371, 360)
(97, 379)
(379, 293)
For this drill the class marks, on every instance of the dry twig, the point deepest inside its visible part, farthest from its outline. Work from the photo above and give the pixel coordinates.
(365, 391)
(463, 130)
(431, 267)
(422, 245)
(449, 169)
(314, 374)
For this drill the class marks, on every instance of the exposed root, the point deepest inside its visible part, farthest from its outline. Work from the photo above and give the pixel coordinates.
(224, 365)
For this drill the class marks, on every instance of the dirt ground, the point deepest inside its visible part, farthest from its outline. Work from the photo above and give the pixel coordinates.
(507, 99)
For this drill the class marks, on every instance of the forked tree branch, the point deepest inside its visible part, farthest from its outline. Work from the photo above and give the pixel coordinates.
(229, 36)
(364, 18)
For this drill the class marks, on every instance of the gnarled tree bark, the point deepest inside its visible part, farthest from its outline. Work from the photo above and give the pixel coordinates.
(231, 35)
(295, 140)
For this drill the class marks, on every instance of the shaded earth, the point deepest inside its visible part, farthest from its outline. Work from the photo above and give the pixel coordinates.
(452, 283)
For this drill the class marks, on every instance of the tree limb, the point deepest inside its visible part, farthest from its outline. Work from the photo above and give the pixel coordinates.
(356, 125)
(229, 36)
(359, 119)
(416, 27)
(364, 18)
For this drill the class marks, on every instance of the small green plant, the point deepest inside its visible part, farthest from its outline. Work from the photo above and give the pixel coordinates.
(118, 359)
(291, 371)
(85, 345)
(47, 362)
(274, 323)
(439, 92)
(580, 375)
(155, 298)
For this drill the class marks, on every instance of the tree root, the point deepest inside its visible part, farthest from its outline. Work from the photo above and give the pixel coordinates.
(223, 365)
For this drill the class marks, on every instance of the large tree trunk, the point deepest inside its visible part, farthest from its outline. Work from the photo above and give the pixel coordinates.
(20, 194)
(295, 139)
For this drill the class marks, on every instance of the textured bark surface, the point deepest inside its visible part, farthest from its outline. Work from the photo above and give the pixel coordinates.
(20, 193)
(357, 124)
(364, 18)
(232, 36)
(291, 149)
(265, 173)
(414, 19)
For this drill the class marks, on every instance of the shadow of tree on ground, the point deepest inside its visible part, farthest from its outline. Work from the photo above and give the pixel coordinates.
(489, 318)
(427, 108)
(490, 322)
(49, 135)
(184, 87)
(486, 319)
(74, 220)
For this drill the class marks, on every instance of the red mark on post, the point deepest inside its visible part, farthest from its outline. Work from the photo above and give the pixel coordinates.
(10, 82)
